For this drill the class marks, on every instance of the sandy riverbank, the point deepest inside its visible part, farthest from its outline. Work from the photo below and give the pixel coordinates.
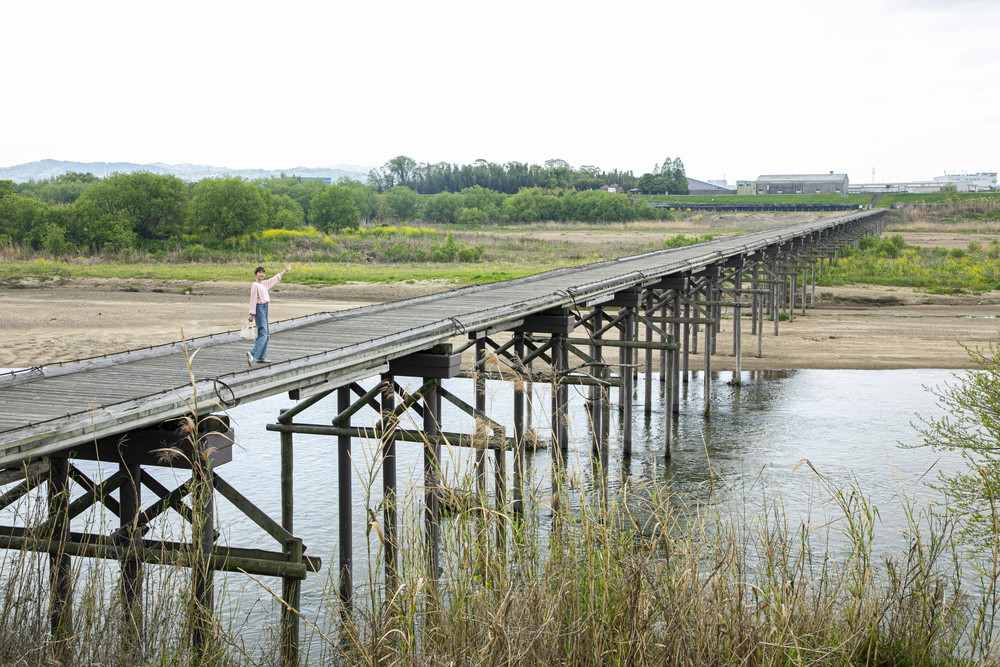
(863, 327)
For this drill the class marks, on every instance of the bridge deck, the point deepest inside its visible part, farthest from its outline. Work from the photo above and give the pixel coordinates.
(52, 408)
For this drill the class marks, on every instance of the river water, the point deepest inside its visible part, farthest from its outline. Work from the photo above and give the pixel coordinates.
(849, 425)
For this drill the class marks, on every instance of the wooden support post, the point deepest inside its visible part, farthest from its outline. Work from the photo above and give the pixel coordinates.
(558, 417)
(291, 593)
(291, 587)
(499, 455)
(738, 328)
(480, 391)
(519, 427)
(793, 289)
(663, 339)
(130, 504)
(560, 350)
(686, 370)
(625, 391)
(676, 355)
(776, 294)
(389, 494)
(695, 329)
(432, 482)
(597, 392)
(669, 373)
(715, 310)
(203, 538)
(708, 356)
(648, 397)
(500, 495)
(758, 311)
(805, 289)
(345, 503)
(287, 483)
(60, 563)
(812, 276)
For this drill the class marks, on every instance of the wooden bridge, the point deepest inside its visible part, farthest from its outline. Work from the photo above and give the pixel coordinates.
(127, 408)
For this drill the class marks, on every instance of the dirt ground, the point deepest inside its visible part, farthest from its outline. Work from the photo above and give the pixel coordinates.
(849, 327)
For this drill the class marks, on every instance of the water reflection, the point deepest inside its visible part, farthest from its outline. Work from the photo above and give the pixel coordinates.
(847, 424)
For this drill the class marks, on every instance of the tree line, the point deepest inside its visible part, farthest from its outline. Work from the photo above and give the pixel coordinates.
(81, 212)
(512, 177)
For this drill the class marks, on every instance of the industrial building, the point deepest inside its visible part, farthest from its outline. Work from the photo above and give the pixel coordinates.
(980, 182)
(696, 187)
(795, 184)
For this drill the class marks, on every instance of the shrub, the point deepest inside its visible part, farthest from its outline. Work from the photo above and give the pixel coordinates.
(194, 253)
(53, 239)
(472, 216)
(453, 251)
(886, 247)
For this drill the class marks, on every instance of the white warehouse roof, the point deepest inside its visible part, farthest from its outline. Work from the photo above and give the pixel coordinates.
(799, 178)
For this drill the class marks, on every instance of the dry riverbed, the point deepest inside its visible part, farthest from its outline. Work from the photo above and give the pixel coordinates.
(849, 327)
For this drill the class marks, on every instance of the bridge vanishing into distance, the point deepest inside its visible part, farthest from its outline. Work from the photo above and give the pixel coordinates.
(127, 408)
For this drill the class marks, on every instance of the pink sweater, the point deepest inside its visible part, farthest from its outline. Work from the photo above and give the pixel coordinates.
(258, 292)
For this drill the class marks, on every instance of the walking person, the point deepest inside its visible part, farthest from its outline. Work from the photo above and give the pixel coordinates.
(259, 299)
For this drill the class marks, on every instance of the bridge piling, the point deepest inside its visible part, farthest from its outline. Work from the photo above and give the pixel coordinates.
(130, 502)
(390, 521)
(738, 325)
(432, 481)
(345, 522)
(519, 426)
(648, 396)
(60, 563)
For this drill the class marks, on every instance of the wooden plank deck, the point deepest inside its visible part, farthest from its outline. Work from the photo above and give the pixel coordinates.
(52, 408)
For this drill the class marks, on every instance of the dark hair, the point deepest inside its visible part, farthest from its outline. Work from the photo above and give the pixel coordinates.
(258, 269)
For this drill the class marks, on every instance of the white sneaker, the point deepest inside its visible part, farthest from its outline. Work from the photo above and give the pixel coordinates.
(249, 359)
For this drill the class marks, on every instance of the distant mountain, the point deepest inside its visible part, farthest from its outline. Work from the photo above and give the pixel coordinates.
(43, 169)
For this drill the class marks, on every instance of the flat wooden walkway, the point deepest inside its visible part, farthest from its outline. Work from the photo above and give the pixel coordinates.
(52, 408)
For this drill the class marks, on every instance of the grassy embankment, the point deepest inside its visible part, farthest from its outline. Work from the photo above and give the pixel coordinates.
(890, 261)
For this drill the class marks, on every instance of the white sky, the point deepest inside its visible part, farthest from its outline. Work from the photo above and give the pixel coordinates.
(735, 88)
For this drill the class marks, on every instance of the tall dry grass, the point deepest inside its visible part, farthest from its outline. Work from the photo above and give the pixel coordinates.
(647, 578)
(644, 577)
(979, 215)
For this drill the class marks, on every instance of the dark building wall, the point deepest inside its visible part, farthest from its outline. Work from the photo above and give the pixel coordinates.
(802, 187)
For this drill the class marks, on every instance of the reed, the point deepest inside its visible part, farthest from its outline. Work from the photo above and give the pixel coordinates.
(630, 576)
(646, 577)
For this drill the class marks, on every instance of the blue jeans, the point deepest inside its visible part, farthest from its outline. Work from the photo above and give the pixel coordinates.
(259, 350)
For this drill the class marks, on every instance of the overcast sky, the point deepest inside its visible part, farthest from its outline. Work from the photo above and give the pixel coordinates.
(909, 88)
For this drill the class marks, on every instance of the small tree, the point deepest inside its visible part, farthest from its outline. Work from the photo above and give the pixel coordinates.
(283, 212)
(950, 191)
(228, 207)
(155, 206)
(971, 425)
(404, 201)
(333, 209)
(443, 207)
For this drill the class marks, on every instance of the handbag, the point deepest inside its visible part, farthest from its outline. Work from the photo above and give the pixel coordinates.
(248, 332)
